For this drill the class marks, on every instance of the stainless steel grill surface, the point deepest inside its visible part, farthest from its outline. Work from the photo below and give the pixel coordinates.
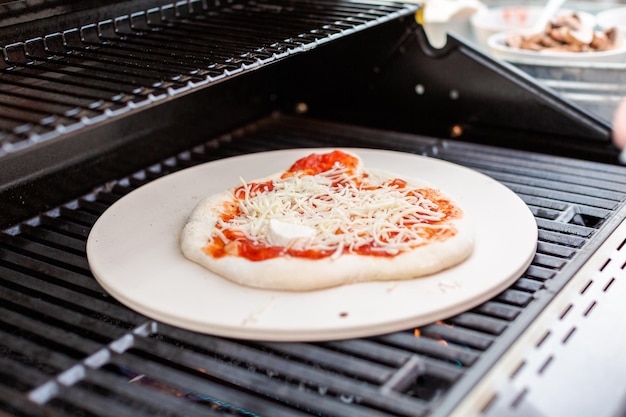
(68, 348)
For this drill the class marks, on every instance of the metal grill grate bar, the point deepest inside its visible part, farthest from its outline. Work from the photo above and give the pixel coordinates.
(13, 401)
(566, 172)
(145, 396)
(193, 385)
(259, 371)
(79, 400)
(433, 347)
(28, 378)
(46, 314)
(47, 253)
(311, 354)
(98, 304)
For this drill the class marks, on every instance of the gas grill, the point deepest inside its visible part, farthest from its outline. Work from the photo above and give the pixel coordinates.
(99, 100)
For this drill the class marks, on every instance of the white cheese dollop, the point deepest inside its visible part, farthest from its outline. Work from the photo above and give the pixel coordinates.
(285, 234)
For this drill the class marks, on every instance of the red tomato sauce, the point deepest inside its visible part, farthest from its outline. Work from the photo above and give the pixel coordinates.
(255, 188)
(317, 163)
(239, 245)
(444, 205)
(255, 251)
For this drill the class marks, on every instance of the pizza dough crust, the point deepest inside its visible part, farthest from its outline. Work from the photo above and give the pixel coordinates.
(302, 274)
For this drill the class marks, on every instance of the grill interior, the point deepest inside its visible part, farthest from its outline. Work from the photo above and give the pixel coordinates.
(67, 347)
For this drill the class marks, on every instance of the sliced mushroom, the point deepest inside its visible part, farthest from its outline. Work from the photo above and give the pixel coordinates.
(602, 42)
(582, 36)
(549, 42)
(559, 34)
(571, 21)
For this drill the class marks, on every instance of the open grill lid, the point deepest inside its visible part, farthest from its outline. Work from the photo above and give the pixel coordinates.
(76, 93)
(118, 64)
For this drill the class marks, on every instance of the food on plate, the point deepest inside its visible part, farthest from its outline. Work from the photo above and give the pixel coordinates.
(327, 221)
(565, 33)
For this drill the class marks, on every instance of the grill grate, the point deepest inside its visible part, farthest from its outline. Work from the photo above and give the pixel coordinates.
(61, 82)
(66, 347)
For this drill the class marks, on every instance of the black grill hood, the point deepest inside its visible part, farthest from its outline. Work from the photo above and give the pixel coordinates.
(82, 101)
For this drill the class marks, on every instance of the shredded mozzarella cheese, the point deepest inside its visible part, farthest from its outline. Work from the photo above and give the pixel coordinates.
(346, 212)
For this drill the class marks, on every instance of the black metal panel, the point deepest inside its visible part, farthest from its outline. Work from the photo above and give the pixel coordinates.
(462, 93)
(66, 347)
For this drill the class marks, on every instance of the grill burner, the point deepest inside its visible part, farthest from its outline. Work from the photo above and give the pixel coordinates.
(69, 348)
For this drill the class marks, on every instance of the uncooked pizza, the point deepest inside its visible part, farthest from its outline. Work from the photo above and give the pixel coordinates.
(325, 221)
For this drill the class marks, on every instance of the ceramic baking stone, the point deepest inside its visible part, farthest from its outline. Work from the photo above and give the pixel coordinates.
(133, 251)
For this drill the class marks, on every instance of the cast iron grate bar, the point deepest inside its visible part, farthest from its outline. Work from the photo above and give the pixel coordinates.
(67, 340)
(81, 76)
(255, 370)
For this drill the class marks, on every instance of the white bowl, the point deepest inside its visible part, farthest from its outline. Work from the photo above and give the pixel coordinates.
(612, 18)
(499, 49)
(488, 22)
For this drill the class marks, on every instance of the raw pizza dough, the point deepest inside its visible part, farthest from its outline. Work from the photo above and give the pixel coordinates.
(302, 273)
